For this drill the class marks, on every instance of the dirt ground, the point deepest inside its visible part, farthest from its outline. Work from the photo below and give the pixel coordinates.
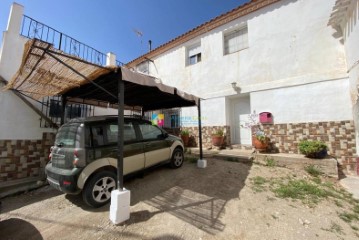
(219, 202)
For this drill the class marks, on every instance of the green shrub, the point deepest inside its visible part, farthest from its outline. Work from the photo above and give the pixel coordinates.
(218, 133)
(312, 170)
(270, 162)
(313, 149)
(184, 132)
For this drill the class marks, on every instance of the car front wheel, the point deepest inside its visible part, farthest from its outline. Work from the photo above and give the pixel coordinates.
(97, 191)
(177, 158)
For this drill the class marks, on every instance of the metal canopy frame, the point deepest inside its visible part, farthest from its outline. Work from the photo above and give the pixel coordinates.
(110, 87)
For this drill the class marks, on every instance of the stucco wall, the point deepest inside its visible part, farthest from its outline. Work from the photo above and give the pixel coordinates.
(351, 39)
(17, 120)
(324, 101)
(213, 112)
(290, 44)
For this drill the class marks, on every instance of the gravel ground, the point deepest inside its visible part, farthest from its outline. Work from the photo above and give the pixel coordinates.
(222, 201)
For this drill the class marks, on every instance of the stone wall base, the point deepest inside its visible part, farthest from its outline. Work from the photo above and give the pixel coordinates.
(338, 135)
(207, 132)
(21, 159)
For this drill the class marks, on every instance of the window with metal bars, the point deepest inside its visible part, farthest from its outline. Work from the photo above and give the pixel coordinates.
(236, 40)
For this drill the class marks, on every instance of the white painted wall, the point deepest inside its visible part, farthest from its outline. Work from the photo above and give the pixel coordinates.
(99, 111)
(12, 46)
(290, 46)
(351, 40)
(212, 112)
(313, 102)
(350, 29)
(17, 120)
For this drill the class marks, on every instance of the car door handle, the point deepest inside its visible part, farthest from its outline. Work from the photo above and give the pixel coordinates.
(147, 144)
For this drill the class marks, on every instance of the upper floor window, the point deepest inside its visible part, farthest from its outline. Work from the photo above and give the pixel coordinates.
(143, 67)
(236, 40)
(194, 54)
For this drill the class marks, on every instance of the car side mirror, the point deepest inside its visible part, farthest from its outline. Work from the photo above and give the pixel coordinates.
(165, 135)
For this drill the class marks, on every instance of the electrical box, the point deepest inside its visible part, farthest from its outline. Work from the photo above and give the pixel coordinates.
(266, 118)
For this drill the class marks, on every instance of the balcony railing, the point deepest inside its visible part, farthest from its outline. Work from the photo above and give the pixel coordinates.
(34, 29)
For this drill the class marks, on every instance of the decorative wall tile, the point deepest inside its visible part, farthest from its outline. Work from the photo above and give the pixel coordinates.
(338, 135)
(24, 158)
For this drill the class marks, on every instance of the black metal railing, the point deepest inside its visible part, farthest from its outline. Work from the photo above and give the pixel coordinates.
(119, 63)
(51, 108)
(34, 29)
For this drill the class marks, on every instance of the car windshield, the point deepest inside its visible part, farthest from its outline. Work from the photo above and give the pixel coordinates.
(66, 136)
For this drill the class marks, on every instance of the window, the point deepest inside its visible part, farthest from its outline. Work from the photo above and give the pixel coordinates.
(129, 133)
(73, 111)
(143, 67)
(67, 135)
(97, 136)
(150, 131)
(174, 121)
(55, 108)
(236, 40)
(194, 54)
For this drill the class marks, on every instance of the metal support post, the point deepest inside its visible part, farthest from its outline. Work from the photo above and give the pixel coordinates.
(200, 129)
(121, 106)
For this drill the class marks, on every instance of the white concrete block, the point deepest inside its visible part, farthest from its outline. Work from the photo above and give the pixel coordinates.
(120, 206)
(202, 163)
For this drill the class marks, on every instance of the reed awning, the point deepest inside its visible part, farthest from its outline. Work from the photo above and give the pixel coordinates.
(47, 71)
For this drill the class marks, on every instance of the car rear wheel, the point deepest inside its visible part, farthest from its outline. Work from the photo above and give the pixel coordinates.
(177, 158)
(97, 191)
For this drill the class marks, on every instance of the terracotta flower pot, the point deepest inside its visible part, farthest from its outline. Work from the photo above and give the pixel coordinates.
(217, 140)
(260, 145)
(185, 139)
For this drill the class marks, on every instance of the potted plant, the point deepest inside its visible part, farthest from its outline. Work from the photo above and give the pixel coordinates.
(217, 138)
(185, 137)
(260, 140)
(313, 149)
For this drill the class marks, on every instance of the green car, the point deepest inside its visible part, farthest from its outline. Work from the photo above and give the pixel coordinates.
(84, 157)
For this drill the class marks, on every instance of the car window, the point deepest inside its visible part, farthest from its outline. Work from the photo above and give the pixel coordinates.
(66, 136)
(97, 136)
(149, 131)
(112, 131)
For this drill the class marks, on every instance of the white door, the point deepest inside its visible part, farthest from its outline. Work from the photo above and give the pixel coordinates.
(245, 134)
(241, 111)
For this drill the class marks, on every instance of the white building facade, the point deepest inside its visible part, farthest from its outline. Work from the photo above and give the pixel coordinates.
(25, 138)
(281, 57)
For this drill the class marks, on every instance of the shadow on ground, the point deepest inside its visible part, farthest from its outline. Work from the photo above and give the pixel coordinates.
(196, 196)
(18, 201)
(19, 229)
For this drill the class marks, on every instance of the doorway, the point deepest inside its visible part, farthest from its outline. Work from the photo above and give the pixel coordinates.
(241, 109)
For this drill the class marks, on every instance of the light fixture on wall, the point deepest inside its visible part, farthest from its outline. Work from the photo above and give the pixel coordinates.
(234, 86)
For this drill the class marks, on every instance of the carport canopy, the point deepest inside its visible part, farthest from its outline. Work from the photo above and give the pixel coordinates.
(47, 71)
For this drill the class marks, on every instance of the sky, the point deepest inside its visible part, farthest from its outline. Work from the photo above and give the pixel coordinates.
(109, 25)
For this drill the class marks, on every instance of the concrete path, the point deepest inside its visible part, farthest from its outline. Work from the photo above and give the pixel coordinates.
(329, 166)
(351, 183)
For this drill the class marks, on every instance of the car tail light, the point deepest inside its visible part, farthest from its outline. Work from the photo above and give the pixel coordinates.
(50, 154)
(66, 182)
(76, 158)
